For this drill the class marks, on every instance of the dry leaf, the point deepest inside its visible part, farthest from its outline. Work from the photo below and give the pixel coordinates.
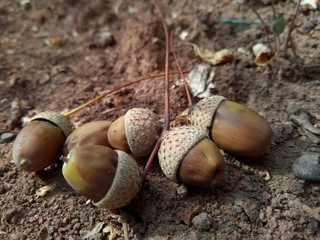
(250, 208)
(195, 211)
(200, 80)
(96, 229)
(113, 232)
(55, 41)
(263, 54)
(45, 189)
(309, 4)
(312, 212)
(222, 56)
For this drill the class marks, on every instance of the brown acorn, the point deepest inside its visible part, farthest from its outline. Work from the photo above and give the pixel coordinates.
(92, 133)
(232, 126)
(136, 132)
(110, 178)
(40, 142)
(187, 155)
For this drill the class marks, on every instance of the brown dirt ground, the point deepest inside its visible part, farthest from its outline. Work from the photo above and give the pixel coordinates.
(36, 76)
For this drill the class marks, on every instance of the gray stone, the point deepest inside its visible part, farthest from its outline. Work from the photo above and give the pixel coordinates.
(307, 166)
(202, 221)
(7, 137)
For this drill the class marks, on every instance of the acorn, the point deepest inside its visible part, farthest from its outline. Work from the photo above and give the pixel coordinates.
(40, 142)
(232, 126)
(136, 132)
(110, 178)
(187, 155)
(92, 133)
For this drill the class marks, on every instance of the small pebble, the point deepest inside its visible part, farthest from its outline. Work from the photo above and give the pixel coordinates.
(202, 221)
(182, 190)
(307, 166)
(7, 137)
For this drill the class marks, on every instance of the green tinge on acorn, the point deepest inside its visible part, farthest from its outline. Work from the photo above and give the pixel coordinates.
(111, 178)
(90, 170)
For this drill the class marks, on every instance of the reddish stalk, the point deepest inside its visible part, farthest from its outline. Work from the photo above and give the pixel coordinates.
(115, 90)
(181, 73)
(166, 94)
(166, 98)
(291, 28)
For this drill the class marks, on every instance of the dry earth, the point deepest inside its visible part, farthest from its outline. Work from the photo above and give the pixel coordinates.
(54, 55)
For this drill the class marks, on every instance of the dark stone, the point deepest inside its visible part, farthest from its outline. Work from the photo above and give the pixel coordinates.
(307, 166)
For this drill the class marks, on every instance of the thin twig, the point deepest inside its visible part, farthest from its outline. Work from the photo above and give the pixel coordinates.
(115, 90)
(166, 99)
(291, 27)
(152, 156)
(265, 26)
(276, 37)
(181, 73)
(125, 230)
(167, 92)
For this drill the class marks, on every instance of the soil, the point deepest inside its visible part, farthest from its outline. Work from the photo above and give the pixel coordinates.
(56, 55)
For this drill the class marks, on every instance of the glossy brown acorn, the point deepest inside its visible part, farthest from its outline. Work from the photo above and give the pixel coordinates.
(40, 142)
(232, 126)
(187, 155)
(92, 133)
(136, 132)
(110, 178)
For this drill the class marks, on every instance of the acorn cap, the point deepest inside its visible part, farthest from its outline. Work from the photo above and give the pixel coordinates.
(142, 128)
(176, 143)
(57, 119)
(202, 113)
(126, 183)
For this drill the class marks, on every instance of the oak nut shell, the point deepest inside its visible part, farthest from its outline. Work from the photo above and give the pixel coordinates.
(126, 183)
(110, 178)
(175, 145)
(57, 119)
(202, 113)
(92, 133)
(40, 142)
(232, 126)
(136, 132)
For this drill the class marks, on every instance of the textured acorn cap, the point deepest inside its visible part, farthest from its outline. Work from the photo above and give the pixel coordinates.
(57, 119)
(202, 113)
(176, 143)
(142, 128)
(126, 183)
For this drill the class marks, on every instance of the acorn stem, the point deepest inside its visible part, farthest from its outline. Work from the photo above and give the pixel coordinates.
(152, 156)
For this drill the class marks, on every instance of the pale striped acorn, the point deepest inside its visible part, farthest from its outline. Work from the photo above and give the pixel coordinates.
(40, 142)
(136, 132)
(110, 178)
(187, 155)
(92, 133)
(232, 126)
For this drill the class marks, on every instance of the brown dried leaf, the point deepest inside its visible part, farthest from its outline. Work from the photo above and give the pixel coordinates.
(221, 56)
(55, 41)
(96, 229)
(113, 232)
(195, 211)
(264, 55)
(309, 4)
(250, 208)
(45, 189)
(312, 212)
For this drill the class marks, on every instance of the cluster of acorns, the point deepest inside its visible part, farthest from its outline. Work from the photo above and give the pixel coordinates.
(99, 156)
